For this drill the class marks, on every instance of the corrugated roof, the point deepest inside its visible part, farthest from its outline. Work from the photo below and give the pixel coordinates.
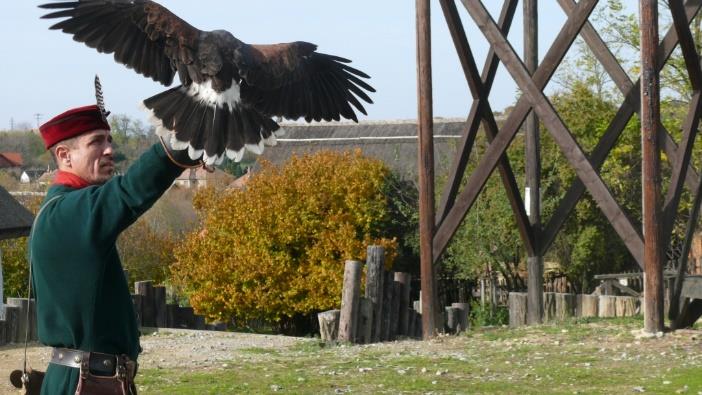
(15, 220)
(393, 142)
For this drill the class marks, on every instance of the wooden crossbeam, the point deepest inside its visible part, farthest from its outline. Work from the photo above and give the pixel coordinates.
(630, 105)
(672, 199)
(485, 111)
(571, 150)
(479, 176)
(687, 43)
(474, 118)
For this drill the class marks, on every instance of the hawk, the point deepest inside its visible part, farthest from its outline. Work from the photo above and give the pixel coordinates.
(229, 90)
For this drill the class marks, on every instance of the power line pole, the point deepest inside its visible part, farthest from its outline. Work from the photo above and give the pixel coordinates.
(38, 118)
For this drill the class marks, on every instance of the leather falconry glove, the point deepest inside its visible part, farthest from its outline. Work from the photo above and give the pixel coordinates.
(181, 157)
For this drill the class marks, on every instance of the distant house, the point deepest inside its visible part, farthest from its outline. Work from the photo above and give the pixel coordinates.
(200, 178)
(10, 160)
(47, 178)
(393, 142)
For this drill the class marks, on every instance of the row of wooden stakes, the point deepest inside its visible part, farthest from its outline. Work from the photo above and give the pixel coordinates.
(153, 311)
(561, 306)
(384, 311)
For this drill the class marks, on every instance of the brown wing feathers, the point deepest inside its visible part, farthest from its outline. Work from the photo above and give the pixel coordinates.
(135, 32)
(209, 114)
(319, 87)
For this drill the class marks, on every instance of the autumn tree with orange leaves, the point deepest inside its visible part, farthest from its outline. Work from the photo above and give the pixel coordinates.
(276, 250)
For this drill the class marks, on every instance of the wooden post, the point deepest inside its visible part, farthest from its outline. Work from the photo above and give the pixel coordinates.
(586, 306)
(329, 325)
(565, 306)
(365, 321)
(160, 314)
(549, 307)
(650, 118)
(451, 326)
(3, 327)
(137, 300)
(375, 269)
(199, 322)
(146, 290)
(535, 263)
(388, 311)
(607, 306)
(426, 169)
(517, 309)
(404, 279)
(172, 315)
(12, 324)
(626, 306)
(23, 305)
(463, 314)
(350, 294)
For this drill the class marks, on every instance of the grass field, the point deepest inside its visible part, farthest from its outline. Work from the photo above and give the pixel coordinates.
(595, 357)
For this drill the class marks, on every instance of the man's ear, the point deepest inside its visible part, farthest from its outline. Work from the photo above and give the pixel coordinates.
(63, 156)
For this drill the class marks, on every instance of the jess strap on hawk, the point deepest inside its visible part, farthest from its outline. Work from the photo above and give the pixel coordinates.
(99, 373)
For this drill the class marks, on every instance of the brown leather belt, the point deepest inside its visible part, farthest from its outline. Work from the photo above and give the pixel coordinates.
(99, 363)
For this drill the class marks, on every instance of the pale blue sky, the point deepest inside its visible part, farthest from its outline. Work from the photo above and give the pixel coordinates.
(46, 72)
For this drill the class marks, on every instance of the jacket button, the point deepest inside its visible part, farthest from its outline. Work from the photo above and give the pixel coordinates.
(76, 359)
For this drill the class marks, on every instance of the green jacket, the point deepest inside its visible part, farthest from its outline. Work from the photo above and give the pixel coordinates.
(83, 299)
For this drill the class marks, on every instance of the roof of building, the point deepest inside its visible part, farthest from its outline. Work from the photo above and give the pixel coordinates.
(393, 142)
(14, 158)
(15, 220)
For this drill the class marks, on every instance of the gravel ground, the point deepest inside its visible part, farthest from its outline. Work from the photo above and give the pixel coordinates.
(165, 348)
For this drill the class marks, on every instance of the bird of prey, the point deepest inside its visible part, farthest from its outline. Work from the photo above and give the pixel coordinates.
(229, 90)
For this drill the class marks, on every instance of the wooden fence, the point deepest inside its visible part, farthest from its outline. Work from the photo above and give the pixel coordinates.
(385, 312)
(561, 306)
(149, 303)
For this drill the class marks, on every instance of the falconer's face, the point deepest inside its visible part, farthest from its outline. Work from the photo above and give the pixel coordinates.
(89, 156)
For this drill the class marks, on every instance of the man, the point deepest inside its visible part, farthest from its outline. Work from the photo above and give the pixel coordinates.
(84, 309)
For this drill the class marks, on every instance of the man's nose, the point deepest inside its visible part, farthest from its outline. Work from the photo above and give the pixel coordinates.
(108, 149)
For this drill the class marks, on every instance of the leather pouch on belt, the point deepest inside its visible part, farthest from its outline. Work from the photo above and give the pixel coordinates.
(92, 384)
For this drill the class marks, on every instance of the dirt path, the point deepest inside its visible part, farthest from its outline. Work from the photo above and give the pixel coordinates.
(167, 348)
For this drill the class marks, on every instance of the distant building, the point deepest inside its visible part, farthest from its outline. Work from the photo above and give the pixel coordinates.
(200, 178)
(393, 142)
(10, 160)
(47, 178)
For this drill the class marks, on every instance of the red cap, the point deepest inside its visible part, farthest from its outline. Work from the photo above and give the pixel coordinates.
(72, 123)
